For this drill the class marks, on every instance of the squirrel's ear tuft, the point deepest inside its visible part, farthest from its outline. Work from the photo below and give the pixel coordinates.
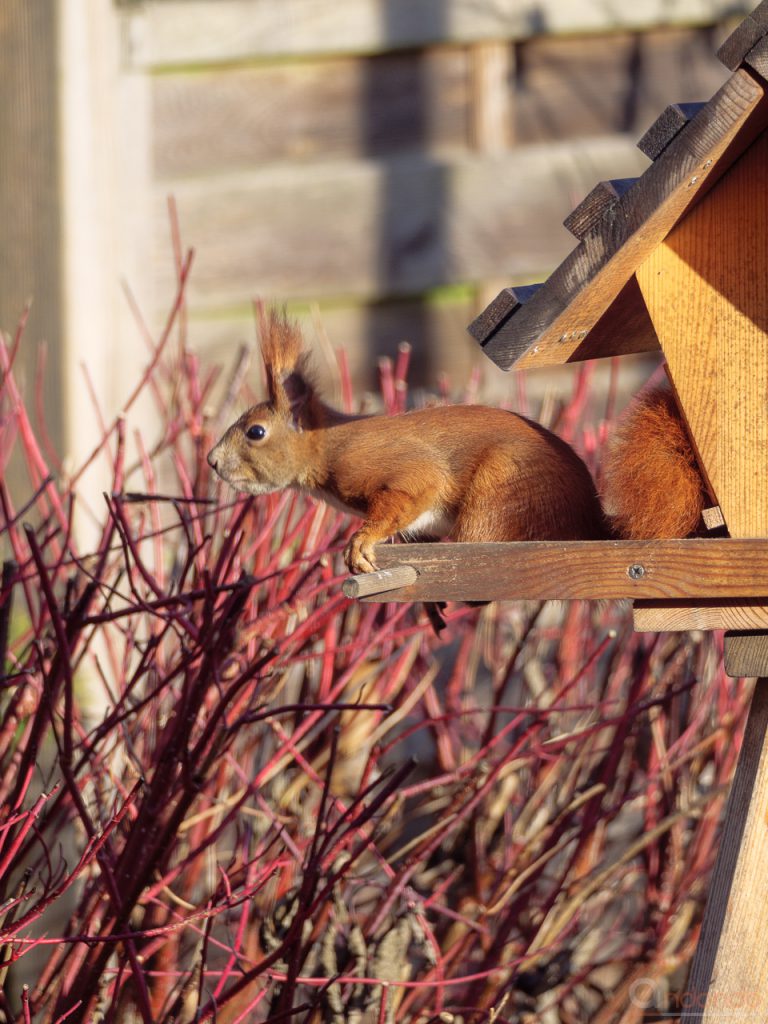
(284, 360)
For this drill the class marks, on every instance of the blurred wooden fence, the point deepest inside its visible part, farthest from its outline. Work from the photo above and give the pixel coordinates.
(393, 162)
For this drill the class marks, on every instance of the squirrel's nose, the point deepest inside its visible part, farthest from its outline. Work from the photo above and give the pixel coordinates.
(212, 458)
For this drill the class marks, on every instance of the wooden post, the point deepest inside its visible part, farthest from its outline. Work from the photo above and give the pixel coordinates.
(729, 975)
(74, 204)
(105, 210)
(30, 214)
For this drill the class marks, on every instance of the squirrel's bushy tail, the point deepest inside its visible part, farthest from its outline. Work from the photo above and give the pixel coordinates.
(652, 487)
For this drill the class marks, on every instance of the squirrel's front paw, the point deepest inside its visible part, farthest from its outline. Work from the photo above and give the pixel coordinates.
(359, 555)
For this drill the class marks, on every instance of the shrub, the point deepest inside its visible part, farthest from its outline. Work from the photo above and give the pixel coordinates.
(230, 794)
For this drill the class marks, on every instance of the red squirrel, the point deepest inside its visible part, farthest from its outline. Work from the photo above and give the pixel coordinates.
(467, 473)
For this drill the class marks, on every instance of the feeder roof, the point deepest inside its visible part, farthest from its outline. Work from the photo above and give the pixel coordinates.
(591, 305)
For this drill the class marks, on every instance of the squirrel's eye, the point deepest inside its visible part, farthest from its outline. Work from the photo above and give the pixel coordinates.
(256, 432)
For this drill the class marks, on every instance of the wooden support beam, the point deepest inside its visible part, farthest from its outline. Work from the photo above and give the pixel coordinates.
(187, 32)
(746, 653)
(682, 616)
(729, 976)
(592, 570)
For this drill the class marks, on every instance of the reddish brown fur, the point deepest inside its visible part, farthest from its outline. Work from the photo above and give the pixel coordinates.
(471, 473)
(652, 487)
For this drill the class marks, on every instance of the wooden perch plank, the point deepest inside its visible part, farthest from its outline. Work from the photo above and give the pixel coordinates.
(379, 582)
(554, 327)
(666, 127)
(592, 570)
(592, 208)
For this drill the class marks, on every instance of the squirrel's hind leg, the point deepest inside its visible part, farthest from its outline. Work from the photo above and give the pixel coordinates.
(495, 504)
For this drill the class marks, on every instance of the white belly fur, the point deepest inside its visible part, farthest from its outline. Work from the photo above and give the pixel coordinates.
(433, 523)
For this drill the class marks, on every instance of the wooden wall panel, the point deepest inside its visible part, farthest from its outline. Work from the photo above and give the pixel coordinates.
(213, 119)
(381, 228)
(30, 212)
(593, 85)
(222, 118)
(365, 180)
(187, 31)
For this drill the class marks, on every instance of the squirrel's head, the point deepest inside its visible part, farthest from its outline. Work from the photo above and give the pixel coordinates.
(262, 452)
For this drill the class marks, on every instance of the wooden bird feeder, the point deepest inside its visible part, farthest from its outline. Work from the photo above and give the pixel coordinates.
(675, 260)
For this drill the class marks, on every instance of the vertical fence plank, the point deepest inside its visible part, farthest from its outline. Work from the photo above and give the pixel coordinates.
(30, 236)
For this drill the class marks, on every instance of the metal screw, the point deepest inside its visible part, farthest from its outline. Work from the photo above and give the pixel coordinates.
(636, 571)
